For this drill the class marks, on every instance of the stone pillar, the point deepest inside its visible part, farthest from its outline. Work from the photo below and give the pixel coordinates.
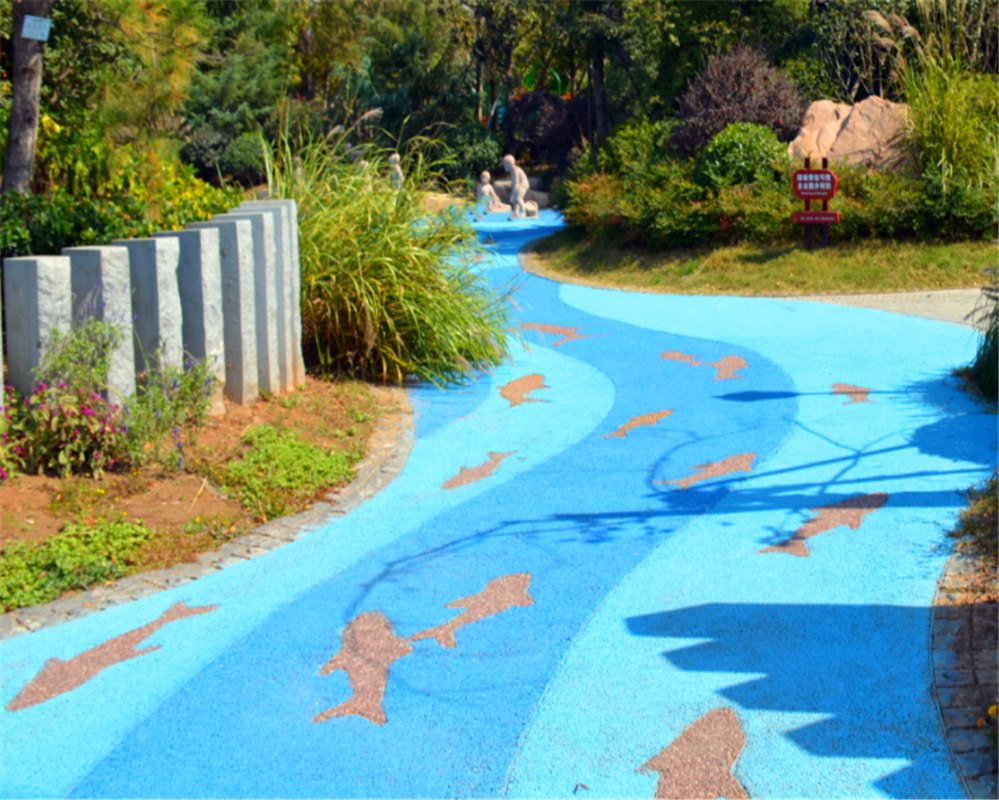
(295, 283)
(265, 294)
(155, 302)
(102, 288)
(199, 280)
(281, 285)
(238, 306)
(39, 298)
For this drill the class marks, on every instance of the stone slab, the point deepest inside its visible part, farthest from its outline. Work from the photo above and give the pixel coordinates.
(199, 280)
(265, 295)
(38, 290)
(159, 340)
(102, 287)
(238, 307)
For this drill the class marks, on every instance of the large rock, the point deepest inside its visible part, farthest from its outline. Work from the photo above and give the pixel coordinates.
(861, 134)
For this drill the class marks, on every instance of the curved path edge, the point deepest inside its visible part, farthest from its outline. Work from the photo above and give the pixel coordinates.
(387, 452)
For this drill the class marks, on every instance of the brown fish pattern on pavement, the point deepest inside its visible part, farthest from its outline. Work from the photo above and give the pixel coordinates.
(516, 391)
(649, 419)
(57, 676)
(368, 647)
(714, 469)
(697, 765)
(567, 334)
(470, 475)
(849, 512)
(725, 367)
(499, 595)
(857, 394)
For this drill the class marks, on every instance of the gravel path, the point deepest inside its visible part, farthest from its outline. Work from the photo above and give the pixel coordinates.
(947, 305)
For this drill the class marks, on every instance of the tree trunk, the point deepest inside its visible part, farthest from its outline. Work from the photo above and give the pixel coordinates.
(478, 92)
(599, 97)
(26, 86)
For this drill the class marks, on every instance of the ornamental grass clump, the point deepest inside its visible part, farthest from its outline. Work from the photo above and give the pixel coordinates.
(387, 288)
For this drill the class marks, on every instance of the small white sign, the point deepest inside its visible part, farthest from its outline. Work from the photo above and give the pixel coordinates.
(36, 28)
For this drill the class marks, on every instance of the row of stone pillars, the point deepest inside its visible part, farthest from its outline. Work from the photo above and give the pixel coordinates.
(226, 291)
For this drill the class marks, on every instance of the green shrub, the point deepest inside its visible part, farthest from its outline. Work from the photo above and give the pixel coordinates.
(280, 471)
(61, 431)
(203, 151)
(742, 153)
(985, 368)
(473, 149)
(387, 288)
(637, 144)
(977, 524)
(77, 558)
(80, 358)
(243, 159)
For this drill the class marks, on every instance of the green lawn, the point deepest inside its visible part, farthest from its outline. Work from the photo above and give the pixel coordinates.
(779, 269)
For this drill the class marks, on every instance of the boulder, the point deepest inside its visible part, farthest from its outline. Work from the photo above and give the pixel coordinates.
(860, 134)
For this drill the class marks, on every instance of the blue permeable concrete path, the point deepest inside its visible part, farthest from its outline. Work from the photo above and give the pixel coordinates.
(683, 546)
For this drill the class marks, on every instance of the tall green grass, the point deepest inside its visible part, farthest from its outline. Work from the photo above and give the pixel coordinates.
(388, 290)
(985, 368)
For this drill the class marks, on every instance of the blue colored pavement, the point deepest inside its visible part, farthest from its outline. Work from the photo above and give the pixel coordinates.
(604, 604)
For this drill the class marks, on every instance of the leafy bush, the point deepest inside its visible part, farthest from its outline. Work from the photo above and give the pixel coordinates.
(545, 125)
(61, 431)
(243, 159)
(739, 86)
(279, 465)
(742, 153)
(203, 151)
(44, 224)
(77, 558)
(637, 144)
(80, 358)
(977, 524)
(473, 149)
(387, 287)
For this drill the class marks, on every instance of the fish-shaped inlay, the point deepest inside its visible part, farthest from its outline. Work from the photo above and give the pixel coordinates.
(499, 595)
(725, 366)
(849, 512)
(57, 676)
(516, 391)
(368, 646)
(697, 765)
(649, 419)
(714, 469)
(857, 394)
(367, 649)
(470, 475)
(567, 334)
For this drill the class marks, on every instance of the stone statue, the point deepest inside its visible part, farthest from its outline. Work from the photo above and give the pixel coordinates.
(395, 172)
(485, 193)
(518, 194)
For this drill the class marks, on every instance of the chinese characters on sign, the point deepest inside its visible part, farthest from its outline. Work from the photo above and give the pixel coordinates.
(815, 184)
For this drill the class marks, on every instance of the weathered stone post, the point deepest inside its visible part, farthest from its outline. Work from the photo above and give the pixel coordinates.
(39, 298)
(199, 281)
(294, 281)
(265, 295)
(155, 302)
(102, 287)
(238, 306)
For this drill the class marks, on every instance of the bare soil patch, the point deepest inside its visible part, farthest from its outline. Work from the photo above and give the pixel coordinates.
(175, 496)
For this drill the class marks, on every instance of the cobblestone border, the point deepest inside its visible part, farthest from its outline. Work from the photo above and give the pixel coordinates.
(965, 679)
(388, 449)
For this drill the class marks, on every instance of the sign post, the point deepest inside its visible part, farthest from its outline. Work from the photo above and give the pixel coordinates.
(815, 184)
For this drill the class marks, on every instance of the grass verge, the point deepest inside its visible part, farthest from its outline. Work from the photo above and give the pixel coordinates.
(761, 270)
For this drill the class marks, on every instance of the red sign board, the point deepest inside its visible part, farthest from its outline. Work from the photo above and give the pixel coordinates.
(815, 217)
(814, 184)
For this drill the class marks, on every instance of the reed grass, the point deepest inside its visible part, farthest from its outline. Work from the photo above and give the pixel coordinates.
(388, 291)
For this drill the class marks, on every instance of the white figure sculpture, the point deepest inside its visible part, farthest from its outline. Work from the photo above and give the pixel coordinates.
(520, 187)
(395, 172)
(485, 193)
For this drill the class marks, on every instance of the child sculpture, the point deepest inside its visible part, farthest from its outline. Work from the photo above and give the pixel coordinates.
(395, 172)
(521, 186)
(485, 193)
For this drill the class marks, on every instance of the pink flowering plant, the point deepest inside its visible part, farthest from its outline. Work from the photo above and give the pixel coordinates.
(62, 431)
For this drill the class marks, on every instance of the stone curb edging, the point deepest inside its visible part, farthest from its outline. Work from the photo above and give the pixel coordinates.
(965, 680)
(388, 450)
